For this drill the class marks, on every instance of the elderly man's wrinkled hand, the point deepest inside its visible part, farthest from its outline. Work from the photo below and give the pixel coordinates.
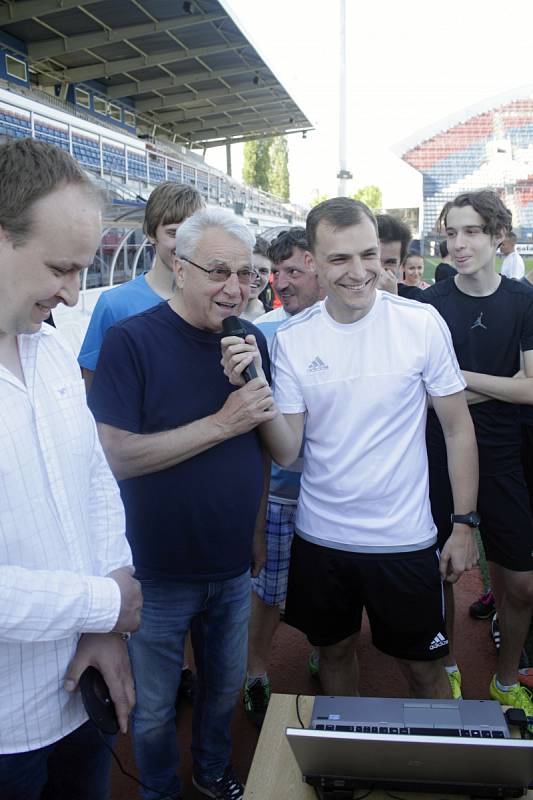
(247, 407)
(237, 354)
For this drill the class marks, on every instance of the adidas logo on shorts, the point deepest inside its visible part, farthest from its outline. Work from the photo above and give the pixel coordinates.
(438, 641)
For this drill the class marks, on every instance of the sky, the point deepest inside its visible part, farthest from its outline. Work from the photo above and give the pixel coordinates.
(409, 65)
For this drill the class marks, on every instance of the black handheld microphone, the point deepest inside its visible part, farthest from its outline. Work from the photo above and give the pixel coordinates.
(232, 326)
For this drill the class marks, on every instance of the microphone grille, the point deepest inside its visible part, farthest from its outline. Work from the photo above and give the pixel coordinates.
(231, 326)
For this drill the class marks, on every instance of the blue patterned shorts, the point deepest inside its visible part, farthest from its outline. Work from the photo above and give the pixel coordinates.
(271, 583)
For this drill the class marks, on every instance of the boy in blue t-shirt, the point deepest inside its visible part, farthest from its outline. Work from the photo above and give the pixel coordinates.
(168, 205)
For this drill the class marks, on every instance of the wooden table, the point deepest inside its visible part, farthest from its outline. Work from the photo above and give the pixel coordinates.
(275, 775)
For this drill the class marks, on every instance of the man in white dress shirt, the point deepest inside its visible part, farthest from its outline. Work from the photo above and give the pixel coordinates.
(67, 590)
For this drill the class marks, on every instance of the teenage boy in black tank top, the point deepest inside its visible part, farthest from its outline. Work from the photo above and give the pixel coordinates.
(491, 321)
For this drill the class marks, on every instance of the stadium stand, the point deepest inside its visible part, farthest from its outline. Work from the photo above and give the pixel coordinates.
(489, 145)
(131, 102)
(131, 89)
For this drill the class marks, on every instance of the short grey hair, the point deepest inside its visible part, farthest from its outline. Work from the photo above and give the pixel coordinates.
(190, 232)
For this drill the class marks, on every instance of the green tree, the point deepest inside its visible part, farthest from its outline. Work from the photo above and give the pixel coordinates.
(278, 173)
(370, 196)
(256, 164)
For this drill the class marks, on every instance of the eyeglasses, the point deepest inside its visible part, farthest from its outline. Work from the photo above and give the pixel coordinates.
(223, 274)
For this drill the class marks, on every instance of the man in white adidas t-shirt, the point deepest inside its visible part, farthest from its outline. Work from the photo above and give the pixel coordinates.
(356, 369)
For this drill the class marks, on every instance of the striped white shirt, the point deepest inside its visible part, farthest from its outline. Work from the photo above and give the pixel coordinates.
(61, 531)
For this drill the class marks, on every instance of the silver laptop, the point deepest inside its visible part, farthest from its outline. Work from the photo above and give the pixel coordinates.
(433, 761)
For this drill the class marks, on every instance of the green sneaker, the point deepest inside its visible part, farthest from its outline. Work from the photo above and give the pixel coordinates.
(455, 683)
(517, 697)
(256, 697)
(313, 664)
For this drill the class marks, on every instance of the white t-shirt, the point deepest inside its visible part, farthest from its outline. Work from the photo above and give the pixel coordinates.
(284, 481)
(253, 310)
(363, 386)
(513, 266)
(276, 315)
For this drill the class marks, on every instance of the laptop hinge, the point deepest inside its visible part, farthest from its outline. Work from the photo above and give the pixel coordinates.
(328, 787)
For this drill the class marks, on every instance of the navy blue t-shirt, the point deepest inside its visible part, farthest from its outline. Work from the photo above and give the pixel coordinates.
(193, 521)
(410, 292)
(444, 271)
(488, 334)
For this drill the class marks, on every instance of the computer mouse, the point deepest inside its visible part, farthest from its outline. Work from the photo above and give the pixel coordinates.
(97, 701)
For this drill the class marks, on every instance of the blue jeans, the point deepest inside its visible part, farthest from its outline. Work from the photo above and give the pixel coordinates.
(77, 766)
(217, 614)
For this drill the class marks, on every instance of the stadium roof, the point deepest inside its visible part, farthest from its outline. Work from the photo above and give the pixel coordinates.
(187, 67)
(487, 104)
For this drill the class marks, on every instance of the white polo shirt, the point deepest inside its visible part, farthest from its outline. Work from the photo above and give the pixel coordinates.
(513, 266)
(363, 388)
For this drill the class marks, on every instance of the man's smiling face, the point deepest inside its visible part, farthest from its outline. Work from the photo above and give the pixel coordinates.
(348, 267)
(295, 282)
(205, 303)
(472, 248)
(45, 269)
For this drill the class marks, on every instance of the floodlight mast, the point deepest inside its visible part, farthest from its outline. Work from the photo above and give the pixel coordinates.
(344, 174)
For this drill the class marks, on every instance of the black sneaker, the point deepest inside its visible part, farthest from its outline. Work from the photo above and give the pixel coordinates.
(497, 639)
(256, 697)
(188, 683)
(228, 787)
(187, 687)
(484, 607)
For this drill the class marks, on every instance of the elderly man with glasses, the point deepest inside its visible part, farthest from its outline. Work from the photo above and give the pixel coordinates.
(184, 447)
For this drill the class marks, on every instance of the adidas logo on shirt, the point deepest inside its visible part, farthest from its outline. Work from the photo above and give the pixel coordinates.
(317, 365)
(438, 641)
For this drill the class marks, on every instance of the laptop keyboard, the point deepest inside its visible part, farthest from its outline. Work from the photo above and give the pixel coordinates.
(469, 733)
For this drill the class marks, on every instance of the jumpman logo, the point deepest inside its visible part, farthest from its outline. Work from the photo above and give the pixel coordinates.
(478, 323)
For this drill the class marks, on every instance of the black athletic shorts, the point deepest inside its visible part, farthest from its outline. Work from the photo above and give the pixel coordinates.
(526, 454)
(402, 594)
(506, 525)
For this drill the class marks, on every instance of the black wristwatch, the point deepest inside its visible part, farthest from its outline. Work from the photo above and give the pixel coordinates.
(472, 519)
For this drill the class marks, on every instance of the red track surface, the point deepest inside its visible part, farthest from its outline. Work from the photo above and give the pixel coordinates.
(379, 677)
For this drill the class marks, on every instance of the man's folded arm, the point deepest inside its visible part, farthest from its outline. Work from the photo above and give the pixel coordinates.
(45, 605)
(518, 389)
(472, 398)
